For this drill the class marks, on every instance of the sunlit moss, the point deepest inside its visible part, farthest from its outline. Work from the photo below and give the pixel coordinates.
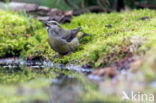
(106, 41)
(17, 33)
(26, 37)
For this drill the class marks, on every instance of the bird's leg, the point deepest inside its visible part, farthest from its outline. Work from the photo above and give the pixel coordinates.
(68, 53)
(61, 55)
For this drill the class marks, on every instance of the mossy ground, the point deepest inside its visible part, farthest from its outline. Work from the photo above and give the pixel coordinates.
(21, 35)
(26, 37)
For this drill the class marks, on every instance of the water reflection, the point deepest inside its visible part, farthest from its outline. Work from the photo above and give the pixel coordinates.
(66, 89)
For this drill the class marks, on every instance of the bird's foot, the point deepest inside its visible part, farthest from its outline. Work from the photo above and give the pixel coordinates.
(68, 53)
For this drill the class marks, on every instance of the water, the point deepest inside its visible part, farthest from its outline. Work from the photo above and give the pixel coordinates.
(35, 64)
(48, 82)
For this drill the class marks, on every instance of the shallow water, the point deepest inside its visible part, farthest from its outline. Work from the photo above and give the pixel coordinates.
(17, 62)
(65, 83)
(46, 82)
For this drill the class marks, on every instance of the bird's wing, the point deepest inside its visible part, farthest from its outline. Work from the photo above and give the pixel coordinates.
(65, 34)
(70, 35)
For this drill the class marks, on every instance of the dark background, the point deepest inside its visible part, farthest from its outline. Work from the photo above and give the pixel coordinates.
(105, 5)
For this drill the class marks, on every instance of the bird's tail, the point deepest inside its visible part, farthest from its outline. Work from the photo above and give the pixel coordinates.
(75, 31)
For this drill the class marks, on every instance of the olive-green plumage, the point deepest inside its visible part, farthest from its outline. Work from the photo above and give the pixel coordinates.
(60, 40)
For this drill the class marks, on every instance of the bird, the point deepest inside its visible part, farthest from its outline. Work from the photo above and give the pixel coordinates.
(61, 40)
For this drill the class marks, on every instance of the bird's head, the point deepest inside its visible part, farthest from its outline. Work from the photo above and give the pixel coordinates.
(52, 24)
(53, 28)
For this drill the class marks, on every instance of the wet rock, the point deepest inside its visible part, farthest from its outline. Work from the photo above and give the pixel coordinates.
(18, 62)
(80, 69)
(87, 66)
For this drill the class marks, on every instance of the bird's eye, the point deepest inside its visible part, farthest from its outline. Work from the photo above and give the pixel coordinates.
(54, 24)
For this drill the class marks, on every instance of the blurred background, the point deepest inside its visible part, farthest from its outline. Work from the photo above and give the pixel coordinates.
(105, 5)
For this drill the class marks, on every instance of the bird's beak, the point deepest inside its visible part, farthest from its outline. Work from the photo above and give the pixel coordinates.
(46, 24)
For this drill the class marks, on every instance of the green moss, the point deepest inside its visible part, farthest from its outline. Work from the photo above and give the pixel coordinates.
(26, 37)
(17, 33)
(107, 41)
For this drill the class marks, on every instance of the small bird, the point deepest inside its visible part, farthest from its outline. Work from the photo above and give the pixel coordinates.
(61, 40)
